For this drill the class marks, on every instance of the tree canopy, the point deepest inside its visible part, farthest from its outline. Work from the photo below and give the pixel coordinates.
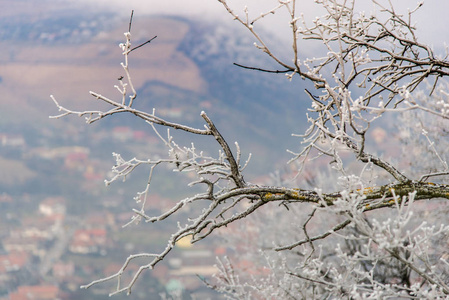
(375, 239)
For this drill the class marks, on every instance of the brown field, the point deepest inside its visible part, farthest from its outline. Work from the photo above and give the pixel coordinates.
(31, 73)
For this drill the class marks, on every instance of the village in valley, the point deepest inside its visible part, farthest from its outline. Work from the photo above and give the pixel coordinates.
(60, 226)
(53, 243)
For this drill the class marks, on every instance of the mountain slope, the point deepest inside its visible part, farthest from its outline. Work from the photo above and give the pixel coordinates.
(188, 68)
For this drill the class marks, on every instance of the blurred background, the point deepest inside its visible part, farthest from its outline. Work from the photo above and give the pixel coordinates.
(60, 227)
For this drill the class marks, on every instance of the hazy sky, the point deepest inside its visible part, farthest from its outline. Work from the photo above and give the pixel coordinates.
(432, 18)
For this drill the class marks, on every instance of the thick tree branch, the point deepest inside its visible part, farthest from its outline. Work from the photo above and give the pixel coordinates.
(235, 168)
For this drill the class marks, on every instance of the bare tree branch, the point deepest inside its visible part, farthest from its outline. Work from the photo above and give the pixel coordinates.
(377, 56)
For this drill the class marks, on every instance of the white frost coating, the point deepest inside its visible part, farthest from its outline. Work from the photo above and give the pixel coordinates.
(350, 223)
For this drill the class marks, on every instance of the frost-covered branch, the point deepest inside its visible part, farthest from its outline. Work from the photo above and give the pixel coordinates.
(378, 55)
(372, 67)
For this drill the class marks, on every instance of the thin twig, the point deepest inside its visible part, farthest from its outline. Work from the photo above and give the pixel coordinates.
(262, 70)
(147, 42)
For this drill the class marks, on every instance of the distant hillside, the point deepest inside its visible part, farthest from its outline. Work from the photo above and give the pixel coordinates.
(263, 107)
(188, 68)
